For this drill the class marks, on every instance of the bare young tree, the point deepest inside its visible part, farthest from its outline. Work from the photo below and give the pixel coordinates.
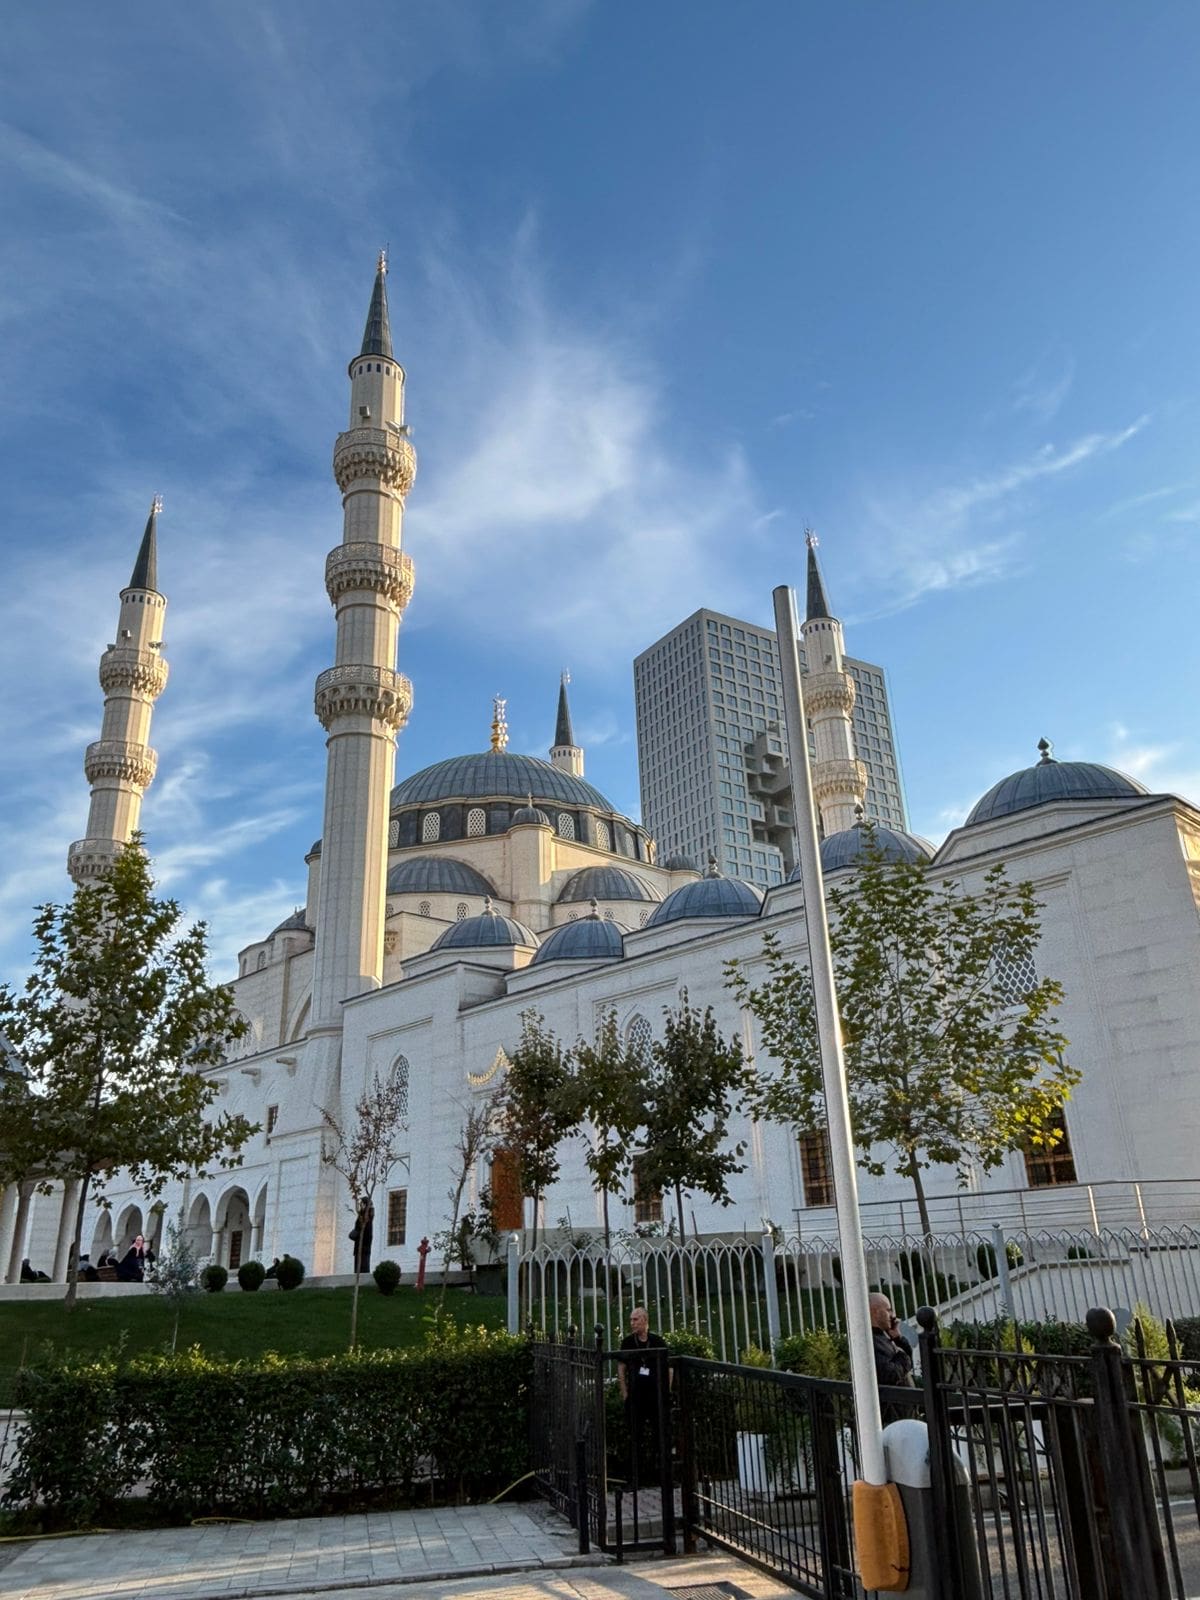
(364, 1152)
(476, 1139)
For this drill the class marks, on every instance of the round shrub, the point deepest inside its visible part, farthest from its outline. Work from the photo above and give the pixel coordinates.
(387, 1277)
(289, 1274)
(213, 1278)
(251, 1275)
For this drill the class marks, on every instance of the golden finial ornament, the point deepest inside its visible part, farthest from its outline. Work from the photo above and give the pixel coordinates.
(499, 723)
(156, 506)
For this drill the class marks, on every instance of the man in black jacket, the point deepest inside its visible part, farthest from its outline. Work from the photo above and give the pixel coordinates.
(893, 1352)
(642, 1376)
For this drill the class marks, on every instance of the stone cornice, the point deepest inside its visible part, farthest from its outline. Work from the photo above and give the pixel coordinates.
(831, 779)
(354, 690)
(144, 672)
(829, 691)
(375, 568)
(384, 455)
(116, 758)
(91, 858)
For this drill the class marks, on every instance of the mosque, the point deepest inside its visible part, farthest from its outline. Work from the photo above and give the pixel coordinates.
(442, 907)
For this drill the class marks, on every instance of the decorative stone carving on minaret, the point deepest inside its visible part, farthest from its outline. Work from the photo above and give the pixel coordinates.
(120, 765)
(564, 752)
(839, 779)
(362, 702)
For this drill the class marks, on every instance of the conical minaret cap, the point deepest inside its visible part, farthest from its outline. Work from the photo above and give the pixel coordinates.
(377, 336)
(563, 733)
(818, 606)
(145, 568)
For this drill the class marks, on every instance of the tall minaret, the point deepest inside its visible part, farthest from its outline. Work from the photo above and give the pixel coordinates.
(362, 701)
(120, 765)
(839, 779)
(564, 752)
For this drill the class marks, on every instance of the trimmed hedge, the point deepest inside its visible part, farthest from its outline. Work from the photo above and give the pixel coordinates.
(289, 1274)
(214, 1278)
(276, 1437)
(387, 1277)
(251, 1275)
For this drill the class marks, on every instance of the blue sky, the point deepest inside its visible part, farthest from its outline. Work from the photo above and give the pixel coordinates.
(669, 281)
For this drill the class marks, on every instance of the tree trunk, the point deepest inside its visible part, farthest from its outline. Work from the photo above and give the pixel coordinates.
(354, 1298)
(175, 1329)
(918, 1184)
(73, 1261)
(679, 1214)
(607, 1233)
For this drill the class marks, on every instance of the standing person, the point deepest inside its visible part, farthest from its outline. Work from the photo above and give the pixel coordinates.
(893, 1352)
(641, 1377)
(362, 1234)
(137, 1258)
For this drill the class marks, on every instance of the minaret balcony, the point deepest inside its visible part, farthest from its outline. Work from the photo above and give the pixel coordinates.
(89, 859)
(829, 691)
(374, 568)
(384, 455)
(839, 780)
(140, 672)
(115, 758)
(355, 690)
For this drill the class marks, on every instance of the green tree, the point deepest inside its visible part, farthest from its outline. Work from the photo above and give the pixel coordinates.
(538, 1107)
(609, 1078)
(364, 1152)
(693, 1084)
(176, 1272)
(476, 1141)
(114, 1028)
(945, 1064)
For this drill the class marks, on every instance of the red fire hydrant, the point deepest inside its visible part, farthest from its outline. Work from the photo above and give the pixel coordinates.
(422, 1250)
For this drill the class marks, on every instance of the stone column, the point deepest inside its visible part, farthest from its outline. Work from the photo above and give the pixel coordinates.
(66, 1229)
(17, 1251)
(10, 1199)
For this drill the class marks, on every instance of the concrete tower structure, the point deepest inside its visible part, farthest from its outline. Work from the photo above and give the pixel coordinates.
(120, 765)
(362, 701)
(839, 778)
(564, 752)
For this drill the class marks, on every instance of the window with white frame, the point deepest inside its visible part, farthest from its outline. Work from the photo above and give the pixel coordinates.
(397, 1217)
(476, 822)
(431, 827)
(566, 825)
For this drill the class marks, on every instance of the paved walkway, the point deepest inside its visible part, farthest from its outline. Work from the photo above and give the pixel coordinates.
(489, 1552)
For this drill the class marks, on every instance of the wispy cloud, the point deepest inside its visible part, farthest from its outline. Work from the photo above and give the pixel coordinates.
(1041, 391)
(1165, 767)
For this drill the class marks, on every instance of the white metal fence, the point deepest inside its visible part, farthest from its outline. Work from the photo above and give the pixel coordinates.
(753, 1291)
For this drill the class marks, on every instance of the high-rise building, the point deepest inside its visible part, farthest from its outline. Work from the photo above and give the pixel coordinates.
(712, 749)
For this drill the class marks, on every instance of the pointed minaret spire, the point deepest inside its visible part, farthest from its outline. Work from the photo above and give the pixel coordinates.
(564, 752)
(120, 766)
(145, 568)
(818, 606)
(839, 779)
(377, 335)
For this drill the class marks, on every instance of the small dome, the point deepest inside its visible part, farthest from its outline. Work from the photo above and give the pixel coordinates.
(488, 930)
(316, 849)
(529, 816)
(589, 939)
(680, 863)
(844, 849)
(606, 883)
(710, 896)
(436, 875)
(296, 923)
(1048, 780)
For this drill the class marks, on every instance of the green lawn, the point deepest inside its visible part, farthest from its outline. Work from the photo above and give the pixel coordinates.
(234, 1324)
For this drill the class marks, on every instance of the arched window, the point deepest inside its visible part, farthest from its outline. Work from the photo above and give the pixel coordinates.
(393, 833)
(600, 834)
(461, 913)
(572, 916)
(262, 960)
(400, 1075)
(626, 842)
(566, 825)
(608, 916)
(476, 822)
(431, 827)
(424, 908)
(642, 915)
(639, 1036)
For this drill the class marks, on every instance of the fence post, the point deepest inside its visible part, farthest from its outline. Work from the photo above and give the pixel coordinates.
(771, 1289)
(1137, 1554)
(514, 1283)
(958, 1560)
(1000, 1246)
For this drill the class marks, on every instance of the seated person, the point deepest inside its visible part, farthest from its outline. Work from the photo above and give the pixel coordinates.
(133, 1264)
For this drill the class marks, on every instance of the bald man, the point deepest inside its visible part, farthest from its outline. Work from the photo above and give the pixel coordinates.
(893, 1353)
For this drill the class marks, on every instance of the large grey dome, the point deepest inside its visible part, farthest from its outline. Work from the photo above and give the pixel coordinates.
(497, 775)
(607, 883)
(846, 848)
(436, 875)
(589, 939)
(1050, 780)
(488, 930)
(711, 896)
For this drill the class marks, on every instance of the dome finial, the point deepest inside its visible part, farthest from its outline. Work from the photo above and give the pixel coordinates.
(1045, 747)
(714, 870)
(488, 909)
(860, 814)
(595, 905)
(499, 723)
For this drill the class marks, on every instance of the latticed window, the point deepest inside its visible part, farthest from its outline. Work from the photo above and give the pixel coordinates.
(600, 834)
(476, 822)
(424, 909)
(393, 833)
(814, 1168)
(639, 1036)
(400, 1073)
(1044, 1168)
(647, 1202)
(642, 915)
(460, 913)
(566, 825)
(608, 916)
(431, 827)
(1015, 976)
(397, 1217)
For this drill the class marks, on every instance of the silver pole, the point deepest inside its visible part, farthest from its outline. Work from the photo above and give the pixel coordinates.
(833, 1066)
